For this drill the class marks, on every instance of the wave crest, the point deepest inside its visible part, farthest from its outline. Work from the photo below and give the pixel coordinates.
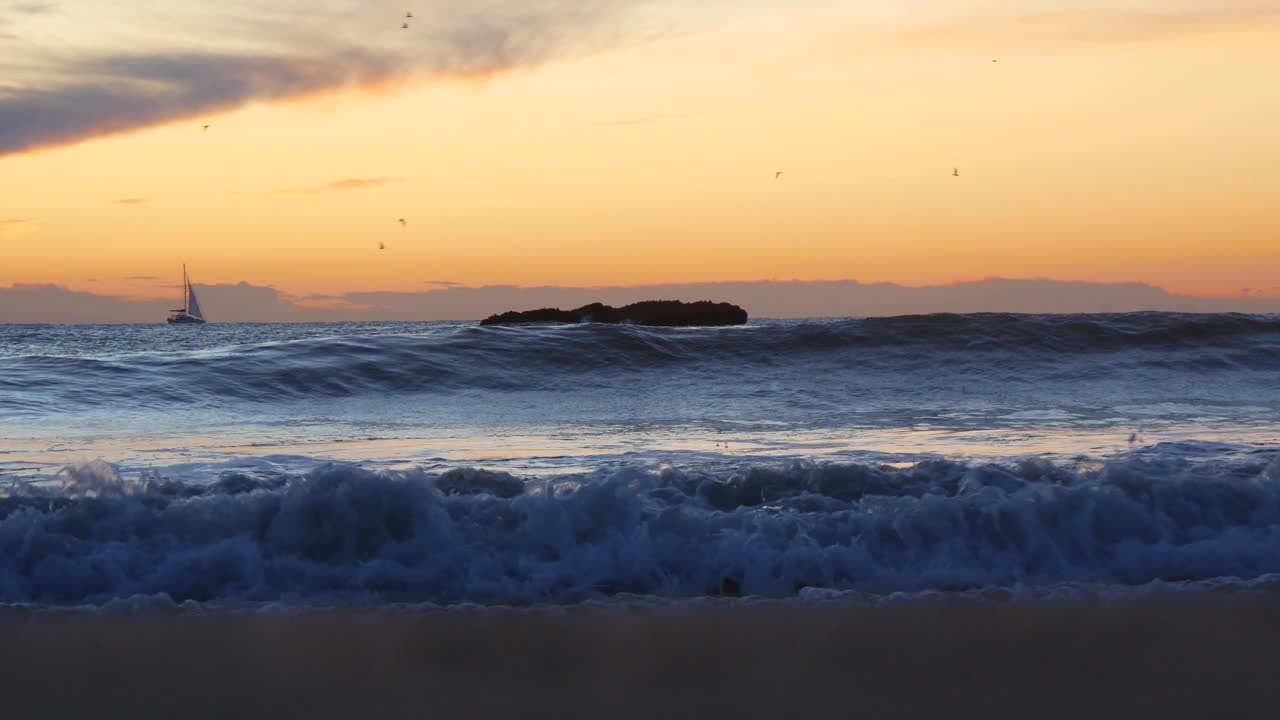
(344, 534)
(443, 359)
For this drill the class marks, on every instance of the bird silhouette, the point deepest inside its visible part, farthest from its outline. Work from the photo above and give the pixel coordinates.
(403, 222)
(955, 172)
(409, 15)
(404, 26)
(206, 127)
(777, 175)
(382, 246)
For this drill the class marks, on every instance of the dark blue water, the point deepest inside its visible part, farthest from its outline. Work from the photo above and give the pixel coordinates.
(447, 463)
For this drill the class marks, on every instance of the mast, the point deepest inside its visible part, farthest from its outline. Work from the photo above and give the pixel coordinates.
(186, 289)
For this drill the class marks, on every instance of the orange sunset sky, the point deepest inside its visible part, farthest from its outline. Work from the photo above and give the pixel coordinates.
(618, 142)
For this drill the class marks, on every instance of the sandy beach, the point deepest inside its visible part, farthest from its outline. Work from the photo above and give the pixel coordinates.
(1161, 660)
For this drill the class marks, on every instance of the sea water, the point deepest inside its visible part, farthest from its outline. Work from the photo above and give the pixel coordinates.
(863, 460)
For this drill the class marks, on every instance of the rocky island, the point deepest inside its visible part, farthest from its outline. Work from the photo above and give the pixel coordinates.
(657, 313)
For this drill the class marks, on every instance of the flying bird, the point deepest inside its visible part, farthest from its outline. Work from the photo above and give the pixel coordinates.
(409, 15)
(403, 222)
(382, 246)
(777, 175)
(955, 172)
(206, 127)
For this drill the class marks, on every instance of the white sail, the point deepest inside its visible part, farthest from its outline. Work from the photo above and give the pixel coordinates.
(193, 305)
(190, 313)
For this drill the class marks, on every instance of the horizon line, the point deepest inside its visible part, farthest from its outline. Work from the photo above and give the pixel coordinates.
(445, 286)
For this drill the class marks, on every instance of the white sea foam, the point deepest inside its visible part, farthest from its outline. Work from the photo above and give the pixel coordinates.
(801, 531)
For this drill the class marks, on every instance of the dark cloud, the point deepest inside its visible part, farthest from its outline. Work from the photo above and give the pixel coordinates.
(131, 201)
(132, 92)
(71, 97)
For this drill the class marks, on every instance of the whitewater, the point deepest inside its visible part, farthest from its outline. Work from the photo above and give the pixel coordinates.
(870, 461)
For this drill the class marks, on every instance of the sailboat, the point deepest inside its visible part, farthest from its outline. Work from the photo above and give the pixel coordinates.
(190, 313)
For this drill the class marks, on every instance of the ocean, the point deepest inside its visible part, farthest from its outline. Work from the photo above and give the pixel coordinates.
(982, 458)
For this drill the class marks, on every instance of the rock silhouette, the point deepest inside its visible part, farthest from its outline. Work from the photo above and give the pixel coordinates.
(657, 313)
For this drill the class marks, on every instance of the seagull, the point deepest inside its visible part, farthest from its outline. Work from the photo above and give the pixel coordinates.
(955, 172)
(382, 246)
(404, 26)
(409, 15)
(403, 222)
(777, 175)
(206, 127)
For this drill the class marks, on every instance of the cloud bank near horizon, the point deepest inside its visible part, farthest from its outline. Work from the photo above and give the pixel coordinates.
(250, 303)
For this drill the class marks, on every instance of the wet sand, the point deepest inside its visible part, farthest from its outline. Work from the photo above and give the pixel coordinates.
(1166, 661)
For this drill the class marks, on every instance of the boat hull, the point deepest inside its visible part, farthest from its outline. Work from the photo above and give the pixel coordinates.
(184, 320)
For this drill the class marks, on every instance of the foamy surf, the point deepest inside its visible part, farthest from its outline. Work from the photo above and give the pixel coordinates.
(792, 532)
(444, 465)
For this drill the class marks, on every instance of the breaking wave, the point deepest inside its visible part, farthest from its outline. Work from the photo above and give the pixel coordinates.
(342, 534)
(218, 366)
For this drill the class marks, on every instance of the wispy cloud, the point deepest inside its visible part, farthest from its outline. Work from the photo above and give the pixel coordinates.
(443, 283)
(262, 51)
(33, 8)
(360, 183)
(11, 13)
(12, 227)
(641, 120)
(1092, 26)
(131, 201)
(143, 278)
(340, 186)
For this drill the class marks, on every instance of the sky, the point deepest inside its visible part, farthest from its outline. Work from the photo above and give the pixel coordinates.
(588, 143)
